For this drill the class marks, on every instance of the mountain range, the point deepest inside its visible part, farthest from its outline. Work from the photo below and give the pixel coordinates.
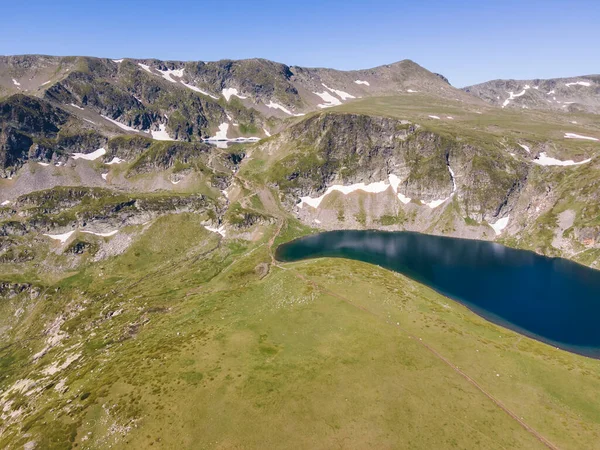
(140, 204)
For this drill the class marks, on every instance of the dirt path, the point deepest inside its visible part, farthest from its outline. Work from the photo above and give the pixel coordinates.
(272, 242)
(433, 351)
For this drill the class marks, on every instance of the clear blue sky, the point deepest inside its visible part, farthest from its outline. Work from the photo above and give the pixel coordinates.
(467, 41)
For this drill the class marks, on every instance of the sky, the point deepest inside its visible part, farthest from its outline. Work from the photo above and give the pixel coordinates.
(467, 41)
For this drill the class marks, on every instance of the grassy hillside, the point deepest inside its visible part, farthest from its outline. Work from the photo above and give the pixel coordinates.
(185, 341)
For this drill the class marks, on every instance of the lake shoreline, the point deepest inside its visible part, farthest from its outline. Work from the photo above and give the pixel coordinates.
(545, 305)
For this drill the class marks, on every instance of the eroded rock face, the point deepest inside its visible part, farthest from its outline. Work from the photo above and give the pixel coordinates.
(23, 119)
(344, 149)
(64, 209)
(10, 290)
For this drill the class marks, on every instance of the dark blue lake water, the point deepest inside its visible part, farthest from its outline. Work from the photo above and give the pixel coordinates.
(550, 299)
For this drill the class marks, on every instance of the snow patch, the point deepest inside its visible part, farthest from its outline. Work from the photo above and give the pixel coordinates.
(88, 120)
(43, 164)
(266, 132)
(578, 136)
(435, 117)
(403, 198)
(115, 160)
(329, 99)
(453, 179)
(512, 96)
(47, 82)
(166, 74)
(411, 91)
(274, 105)
(76, 106)
(146, 68)
(220, 230)
(500, 225)
(61, 237)
(525, 147)
(90, 156)
(394, 181)
(228, 92)
(374, 188)
(545, 160)
(194, 88)
(104, 176)
(580, 83)
(366, 83)
(109, 234)
(119, 124)
(118, 61)
(341, 94)
(15, 82)
(5, 203)
(435, 203)
(221, 135)
(161, 134)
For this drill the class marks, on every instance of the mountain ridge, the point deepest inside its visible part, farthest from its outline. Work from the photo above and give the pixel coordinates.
(142, 302)
(571, 94)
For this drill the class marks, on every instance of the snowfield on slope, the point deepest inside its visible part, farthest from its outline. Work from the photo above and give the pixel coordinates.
(580, 83)
(119, 124)
(109, 234)
(220, 230)
(146, 68)
(512, 95)
(341, 94)
(166, 74)
(500, 225)
(161, 134)
(229, 92)
(376, 188)
(329, 100)
(61, 237)
(544, 160)
(90, 156)
(197, 89)
(221, 135)
(274, 105)
(115, 160)
(525, 147)
(578, 136)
